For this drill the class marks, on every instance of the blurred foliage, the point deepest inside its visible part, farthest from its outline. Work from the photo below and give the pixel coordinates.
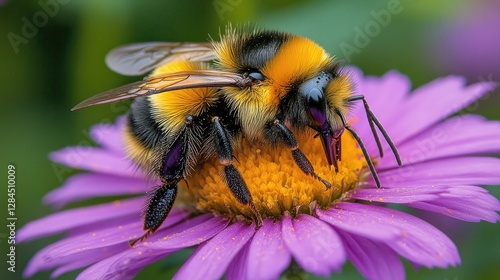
(61, 62)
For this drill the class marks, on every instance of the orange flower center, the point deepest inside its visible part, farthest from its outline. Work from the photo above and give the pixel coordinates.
(276, 183)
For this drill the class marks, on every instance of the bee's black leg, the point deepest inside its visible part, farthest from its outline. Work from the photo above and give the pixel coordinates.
(172, 170)
(284, 134)
(159, 205)
(232, 176)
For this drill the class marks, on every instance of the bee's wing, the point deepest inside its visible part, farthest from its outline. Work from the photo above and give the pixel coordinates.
(168, 82)
(140, 58)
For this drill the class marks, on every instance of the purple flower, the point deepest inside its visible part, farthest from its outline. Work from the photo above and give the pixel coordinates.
(445, 161)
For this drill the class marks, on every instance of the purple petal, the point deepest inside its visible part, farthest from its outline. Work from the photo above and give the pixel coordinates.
(134, 217)
(315, 246)
(211, 259)
(187, 234)
(89, 185)
(460, 170)
(458, 136)
(418, 241)
(438, 99)
(392, 86)
(83, 262)
(38, 263)
(467, 203)
(374, 260)
(268, 255)
(106, 237)
(238, 268)
(96, 160)
(128, 263)
(69, 219)
(400, 195)
(368, 226)
(109, 136)
(73, 253)
(98, 243)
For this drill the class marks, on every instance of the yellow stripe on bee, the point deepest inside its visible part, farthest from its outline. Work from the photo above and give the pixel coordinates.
(298, 59)
(135, 150)
(171, 108)
(252, 109)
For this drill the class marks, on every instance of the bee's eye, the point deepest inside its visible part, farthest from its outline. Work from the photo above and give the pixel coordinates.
(256, 75)
(315, 102)
(312, 94)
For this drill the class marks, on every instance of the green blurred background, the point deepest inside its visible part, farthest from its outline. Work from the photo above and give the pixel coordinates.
(49, 69)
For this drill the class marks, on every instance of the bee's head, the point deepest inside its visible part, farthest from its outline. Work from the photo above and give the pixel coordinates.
(316, 95)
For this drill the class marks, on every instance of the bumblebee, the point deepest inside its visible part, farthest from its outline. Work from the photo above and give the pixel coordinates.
(202, 99)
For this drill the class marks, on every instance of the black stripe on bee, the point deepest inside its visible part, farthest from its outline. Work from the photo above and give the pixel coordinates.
(142, 125)
(260, 47)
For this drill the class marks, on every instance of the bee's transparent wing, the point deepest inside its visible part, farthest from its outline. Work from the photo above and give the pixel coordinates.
(138, 59)
(168, 82)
